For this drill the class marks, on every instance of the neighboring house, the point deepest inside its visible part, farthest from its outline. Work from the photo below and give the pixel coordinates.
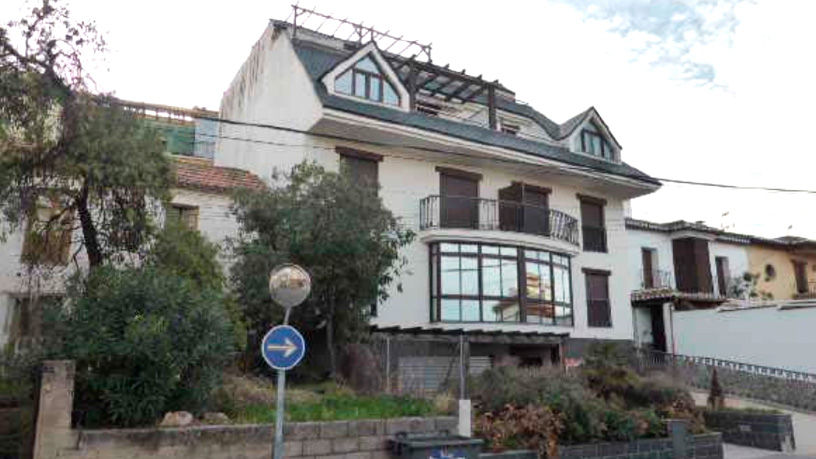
(680, 266)
(521, 244)
(200, 198)
(786, 266)
(691, 295)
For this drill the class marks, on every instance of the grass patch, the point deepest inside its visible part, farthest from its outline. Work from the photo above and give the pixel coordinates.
(335, 408)
(251, 400)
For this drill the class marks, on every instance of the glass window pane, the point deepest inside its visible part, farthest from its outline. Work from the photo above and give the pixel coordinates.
(374, 93)
(490, 250)
(390, 96)
(470, 276)
(491, 310)
(533, 280)
(450, 310)
(509, 274)
(534, 312)
(509, 252)
(368, 65)
(562, 284)
(450, 275)
(360, 84)
(470, 311)
(450, 248)
(508, 311)
(470, 248)
(492, 277)
(343, 83)
(596, 145)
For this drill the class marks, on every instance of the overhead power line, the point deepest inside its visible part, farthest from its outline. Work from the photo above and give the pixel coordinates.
(573, 167)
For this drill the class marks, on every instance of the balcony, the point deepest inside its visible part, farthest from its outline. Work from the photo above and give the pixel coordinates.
(656, 279)
(454, 212)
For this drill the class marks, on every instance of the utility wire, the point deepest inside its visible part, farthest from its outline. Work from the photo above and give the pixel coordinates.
(580, 168)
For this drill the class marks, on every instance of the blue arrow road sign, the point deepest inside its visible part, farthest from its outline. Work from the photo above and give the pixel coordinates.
(283, 347)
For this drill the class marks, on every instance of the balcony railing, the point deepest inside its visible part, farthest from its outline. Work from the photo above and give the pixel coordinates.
(656, 279)
(491, 214)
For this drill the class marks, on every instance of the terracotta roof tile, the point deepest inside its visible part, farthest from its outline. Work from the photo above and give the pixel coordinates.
(201, 174)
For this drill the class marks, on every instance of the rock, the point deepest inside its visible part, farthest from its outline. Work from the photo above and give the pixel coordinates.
(215, 418)
(176, 419)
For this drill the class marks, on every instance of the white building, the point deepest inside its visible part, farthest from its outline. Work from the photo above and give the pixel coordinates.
(521, 238)
(200, 198)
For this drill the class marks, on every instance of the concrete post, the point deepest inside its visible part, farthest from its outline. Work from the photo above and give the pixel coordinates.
(465, 425)
(678, 431)
(53, 416)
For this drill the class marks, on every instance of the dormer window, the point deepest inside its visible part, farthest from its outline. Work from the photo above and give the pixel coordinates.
(595, 144)
(365, 80)
(428, 108)
(510, 128)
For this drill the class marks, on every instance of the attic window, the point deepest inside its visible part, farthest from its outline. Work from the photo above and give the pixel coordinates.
(428, 108)
(509, 128)
(595, 144)
(366, 80)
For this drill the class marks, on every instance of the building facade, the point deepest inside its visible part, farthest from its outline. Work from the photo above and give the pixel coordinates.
(521, 240)
(701, 291)
(200, 199)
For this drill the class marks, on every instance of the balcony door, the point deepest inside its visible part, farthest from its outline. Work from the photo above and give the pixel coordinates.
(800, 272)
(459, 207)
(524, 208)
(648, 268)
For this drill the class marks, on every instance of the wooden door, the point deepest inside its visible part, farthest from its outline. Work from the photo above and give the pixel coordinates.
(459, 201)
(800, 270)
(723, 275)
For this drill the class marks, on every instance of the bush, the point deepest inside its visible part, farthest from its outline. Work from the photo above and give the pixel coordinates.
(529, 427)
(145, 341)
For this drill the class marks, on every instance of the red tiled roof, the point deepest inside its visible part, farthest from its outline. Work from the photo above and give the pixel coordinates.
(201, 174)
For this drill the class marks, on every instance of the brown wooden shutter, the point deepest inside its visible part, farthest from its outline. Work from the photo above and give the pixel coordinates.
(692, 266)
(460, 204)
(592, 225)
(722, 275)
(648, 268)
(599, 311)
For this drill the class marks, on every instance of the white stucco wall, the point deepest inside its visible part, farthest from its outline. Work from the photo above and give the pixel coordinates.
(215, 223)
(737, 255)
(763, 336)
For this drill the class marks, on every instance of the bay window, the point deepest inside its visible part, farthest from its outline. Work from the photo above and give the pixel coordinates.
(491, 283)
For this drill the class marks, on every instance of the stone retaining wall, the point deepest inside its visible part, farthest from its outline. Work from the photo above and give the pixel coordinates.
(366, 439)
(760, 430)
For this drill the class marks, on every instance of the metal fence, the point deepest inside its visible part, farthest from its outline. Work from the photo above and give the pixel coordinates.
(779, 386)
(424, 367)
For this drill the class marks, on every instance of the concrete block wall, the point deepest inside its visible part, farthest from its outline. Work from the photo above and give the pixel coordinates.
(760, 430)
(365, 439)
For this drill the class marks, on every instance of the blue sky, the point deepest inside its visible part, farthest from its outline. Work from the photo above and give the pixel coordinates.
(700, 90)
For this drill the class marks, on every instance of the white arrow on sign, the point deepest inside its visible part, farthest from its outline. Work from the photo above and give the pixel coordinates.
(288, 347)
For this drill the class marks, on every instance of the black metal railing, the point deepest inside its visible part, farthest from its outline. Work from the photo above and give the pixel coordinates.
(776, 385)
(656, 279)
(594, 238)
(491, 214)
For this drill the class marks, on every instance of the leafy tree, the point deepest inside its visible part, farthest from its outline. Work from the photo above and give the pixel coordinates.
(336, 229)
(62, 142)
(146, 341)
(187, 253)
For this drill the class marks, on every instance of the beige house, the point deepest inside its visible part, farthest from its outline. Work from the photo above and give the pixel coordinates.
(786, 267)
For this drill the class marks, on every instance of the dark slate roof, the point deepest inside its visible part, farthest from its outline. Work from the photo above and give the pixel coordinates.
(791, 242)
(318, 60)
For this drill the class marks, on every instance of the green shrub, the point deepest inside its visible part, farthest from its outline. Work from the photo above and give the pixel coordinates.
(145, 341)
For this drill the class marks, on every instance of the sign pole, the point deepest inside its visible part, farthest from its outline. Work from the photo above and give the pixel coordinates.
(283, 347)
(277, 450)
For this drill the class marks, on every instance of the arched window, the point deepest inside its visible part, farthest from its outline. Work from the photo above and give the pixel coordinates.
(366, 80)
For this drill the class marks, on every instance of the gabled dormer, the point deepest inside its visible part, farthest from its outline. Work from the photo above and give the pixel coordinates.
(588, 134)
(367, 77)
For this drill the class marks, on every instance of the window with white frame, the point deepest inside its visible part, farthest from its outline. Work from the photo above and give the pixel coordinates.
(366, 80)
